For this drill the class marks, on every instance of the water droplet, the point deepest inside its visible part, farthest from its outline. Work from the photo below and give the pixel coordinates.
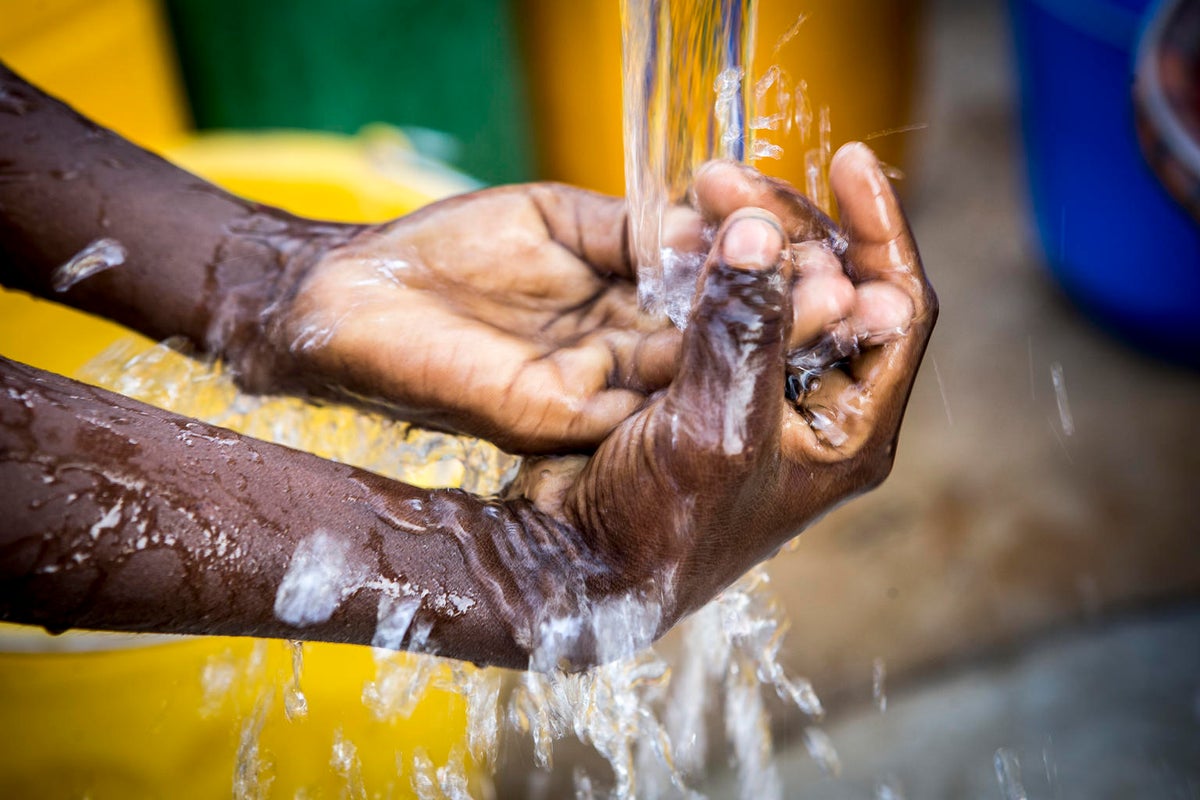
(13, 103)
(878, 690)
(889, 789)
(1060, 394)
(1008, 775)
(98, 256)
(346, 763)
(295, 704)
(821, 748)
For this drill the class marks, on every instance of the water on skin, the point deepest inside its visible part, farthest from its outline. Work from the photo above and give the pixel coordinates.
(98, 256)
(318, 577)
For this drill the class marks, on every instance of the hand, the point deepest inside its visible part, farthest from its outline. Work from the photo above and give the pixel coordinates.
(714, 475)
(509, 314)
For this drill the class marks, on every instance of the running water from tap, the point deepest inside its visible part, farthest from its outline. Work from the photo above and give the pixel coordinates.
(684, 64)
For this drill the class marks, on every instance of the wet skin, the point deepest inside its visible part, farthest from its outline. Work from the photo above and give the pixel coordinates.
(510, 314)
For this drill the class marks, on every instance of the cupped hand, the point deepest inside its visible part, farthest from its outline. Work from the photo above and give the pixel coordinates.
(510, 314)
(719, 471)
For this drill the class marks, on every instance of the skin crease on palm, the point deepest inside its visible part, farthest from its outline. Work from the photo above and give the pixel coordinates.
(662, 464)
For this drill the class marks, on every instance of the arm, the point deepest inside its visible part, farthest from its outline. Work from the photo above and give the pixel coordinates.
(121, 516)
(193, 260)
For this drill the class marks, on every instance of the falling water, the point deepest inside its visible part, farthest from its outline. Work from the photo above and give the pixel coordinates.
(684, 63)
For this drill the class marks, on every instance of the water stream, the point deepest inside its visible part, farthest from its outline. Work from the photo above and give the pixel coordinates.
(684, 64)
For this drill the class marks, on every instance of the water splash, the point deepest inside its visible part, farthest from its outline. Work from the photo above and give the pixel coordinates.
(346, 763)
(251, 774)
(1008, 775)
(937, 373)
(878, 690)
(295, 704)
(816, 164)
(98, 256)
(1060, 395)
(452, 777)
(821, 750)
(889, 788)
(424, 776)
(318, 578)
(916, 126)
(788, 35)
(1051, 765)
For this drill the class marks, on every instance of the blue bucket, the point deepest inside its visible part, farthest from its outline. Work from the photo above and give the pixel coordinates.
(1115, 240)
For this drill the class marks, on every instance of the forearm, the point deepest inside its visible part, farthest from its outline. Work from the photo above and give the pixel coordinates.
(121, 516)
(194, 260)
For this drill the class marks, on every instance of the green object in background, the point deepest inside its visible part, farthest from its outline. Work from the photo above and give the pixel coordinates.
(449, 65)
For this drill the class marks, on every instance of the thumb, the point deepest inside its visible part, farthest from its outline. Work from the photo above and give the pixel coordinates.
(727, 394)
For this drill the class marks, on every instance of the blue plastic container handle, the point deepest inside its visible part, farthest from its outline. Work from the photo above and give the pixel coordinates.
(1111, 234)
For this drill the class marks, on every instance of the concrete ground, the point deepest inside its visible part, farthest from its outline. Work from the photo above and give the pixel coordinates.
(999, 528)
(1106, 713)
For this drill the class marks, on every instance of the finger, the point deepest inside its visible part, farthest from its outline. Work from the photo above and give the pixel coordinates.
(882, 312)
(641, 361)
(722, 187)
(655, 360)
(880, 242)
(592, 226)
(725, 400)
(822, 294)
(883, 257)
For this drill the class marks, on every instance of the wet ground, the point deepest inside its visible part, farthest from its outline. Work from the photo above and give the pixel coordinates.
(988, 572)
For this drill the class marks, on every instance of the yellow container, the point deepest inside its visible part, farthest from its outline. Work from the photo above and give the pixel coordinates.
(174, 720)
(111, 59)
(856, 56)
(132, 720)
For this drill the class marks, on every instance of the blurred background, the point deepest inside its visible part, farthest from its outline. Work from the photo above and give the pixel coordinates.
(1014, 612)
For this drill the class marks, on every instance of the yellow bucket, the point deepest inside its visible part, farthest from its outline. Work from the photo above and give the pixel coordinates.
(111, 59)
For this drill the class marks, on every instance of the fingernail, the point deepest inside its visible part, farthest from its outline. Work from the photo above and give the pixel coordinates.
(752, 242)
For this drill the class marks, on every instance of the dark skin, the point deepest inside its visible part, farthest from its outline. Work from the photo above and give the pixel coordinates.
(669, 463)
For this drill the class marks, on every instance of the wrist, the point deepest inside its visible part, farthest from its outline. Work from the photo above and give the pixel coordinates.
(259, 271)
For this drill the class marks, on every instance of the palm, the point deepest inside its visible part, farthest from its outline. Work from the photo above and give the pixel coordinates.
(500, 315)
